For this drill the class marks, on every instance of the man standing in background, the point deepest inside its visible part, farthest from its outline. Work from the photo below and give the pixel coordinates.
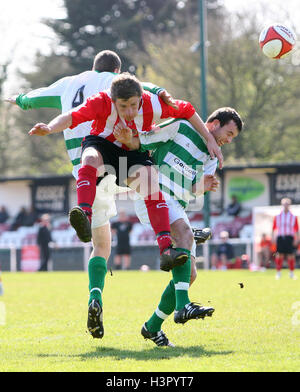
(286, 234)
(43, 240)
(122, 228)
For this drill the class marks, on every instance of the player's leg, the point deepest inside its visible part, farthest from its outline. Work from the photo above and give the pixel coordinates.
(281, 247)
(144, 181)
(81, 215)
(291, 264)
(103, 209)
(185, 309)
(182, 234)
(278, 264)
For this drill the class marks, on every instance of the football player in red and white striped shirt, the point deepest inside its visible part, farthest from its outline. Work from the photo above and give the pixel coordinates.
(125, 102)
(286, 232)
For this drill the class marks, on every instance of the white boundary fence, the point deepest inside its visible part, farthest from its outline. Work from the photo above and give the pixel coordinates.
(204, 260)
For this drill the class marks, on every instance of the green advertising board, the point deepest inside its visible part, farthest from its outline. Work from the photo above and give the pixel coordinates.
(245, 188)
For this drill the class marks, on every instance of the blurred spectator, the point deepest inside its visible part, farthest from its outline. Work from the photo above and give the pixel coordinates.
(225, 253)
(31, 217)
(43, 240)
(234, 207)
(3, 214)
(19, 219)
(265, 252)
(122, 229)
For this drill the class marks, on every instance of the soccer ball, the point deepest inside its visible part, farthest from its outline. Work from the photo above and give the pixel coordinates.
(277, 41)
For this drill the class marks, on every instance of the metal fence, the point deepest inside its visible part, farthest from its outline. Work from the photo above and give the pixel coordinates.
(76, 256)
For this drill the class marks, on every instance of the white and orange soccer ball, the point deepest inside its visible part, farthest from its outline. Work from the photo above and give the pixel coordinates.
(276, 41)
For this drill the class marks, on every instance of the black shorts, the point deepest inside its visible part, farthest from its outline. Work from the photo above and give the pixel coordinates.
(116, 160)
(285, 244)
(123, 249)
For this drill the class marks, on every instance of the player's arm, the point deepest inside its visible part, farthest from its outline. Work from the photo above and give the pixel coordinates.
(45, 97)
(161, 92)
(88, 111)
(296, 230)
(187, 111)
(213, 149)
(274, 229)
(58, 124)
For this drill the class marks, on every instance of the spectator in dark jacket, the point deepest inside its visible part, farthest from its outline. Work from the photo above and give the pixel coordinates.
(234, 207)
(3, 214)
(19, 219)
(43, 240)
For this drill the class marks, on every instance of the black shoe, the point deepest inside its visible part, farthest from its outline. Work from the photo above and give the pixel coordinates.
(159, 338)
(171, 258)
(202, 235)
(192, 311)
(95, 320)
(80, 222)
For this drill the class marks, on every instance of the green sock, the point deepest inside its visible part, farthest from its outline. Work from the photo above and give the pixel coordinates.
(97, 269)
(164, 309)
(181, 278)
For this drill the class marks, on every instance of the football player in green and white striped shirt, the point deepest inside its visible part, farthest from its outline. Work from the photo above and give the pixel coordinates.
(186, 171)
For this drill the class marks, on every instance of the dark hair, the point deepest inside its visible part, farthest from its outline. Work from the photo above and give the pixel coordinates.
(107, 61)
(125, 86)
(225, 115)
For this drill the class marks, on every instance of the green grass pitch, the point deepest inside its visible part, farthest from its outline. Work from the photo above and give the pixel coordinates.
(255, 328)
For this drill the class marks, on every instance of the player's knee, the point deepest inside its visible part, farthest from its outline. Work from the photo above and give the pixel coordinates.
(90, 160)
(182, 235)
(101, 248)
(188, 237)
(102, 251)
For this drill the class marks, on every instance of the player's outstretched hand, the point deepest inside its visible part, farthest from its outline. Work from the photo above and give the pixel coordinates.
(168, 99)
(211, 183)
(40, 129)
(215, 151)
(10, 100)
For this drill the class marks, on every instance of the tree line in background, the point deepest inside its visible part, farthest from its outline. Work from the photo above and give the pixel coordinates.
(158, 41)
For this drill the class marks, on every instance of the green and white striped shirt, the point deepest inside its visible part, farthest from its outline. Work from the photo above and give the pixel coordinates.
(181, 155)
(67, 93)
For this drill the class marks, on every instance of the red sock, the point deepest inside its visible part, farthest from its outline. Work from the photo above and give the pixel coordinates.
(86, 188)
(291, 263)
(278, 262)
(158, 213)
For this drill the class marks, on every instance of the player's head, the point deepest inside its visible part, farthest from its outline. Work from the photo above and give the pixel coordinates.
(107, 61)
(126, 92)
(225, 124)
(286, 202)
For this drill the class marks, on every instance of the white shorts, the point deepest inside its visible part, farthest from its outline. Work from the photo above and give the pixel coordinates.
(176, 211)
(104, 206)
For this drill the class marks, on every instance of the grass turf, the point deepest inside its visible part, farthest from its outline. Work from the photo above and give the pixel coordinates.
(255, 328)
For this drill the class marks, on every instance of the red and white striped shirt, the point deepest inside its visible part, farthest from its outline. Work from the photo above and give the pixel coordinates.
(102, 110)
(286, 224)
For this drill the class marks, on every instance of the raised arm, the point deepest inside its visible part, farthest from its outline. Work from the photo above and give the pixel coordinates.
(213, 149)
(58, 124)
(187, 111)
(45, 97)
(161, 92)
